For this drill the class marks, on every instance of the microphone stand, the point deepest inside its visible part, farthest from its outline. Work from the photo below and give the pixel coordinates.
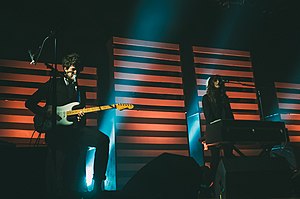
(258, 95)
(54, 99)
(53, 74)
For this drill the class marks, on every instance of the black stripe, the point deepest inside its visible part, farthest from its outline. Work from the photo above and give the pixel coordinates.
(145, 49)
(287, 90)
(134, 71)
(132, 160)
(150, 84)
(289, 101)
(153, 120)
(132, 58)
(223, 67)
(149, 95)
(218, 56)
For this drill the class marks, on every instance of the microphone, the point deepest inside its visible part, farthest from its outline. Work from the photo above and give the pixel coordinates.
(225, 81)
(31, 57)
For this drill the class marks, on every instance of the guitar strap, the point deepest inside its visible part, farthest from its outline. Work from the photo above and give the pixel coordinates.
(78, 96)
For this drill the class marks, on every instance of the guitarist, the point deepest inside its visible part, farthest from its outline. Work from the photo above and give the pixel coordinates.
(76, 137)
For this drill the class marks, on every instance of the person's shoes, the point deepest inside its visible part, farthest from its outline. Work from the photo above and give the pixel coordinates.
(96, 192)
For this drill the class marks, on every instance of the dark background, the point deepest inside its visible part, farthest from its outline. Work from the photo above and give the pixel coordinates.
(269, 29)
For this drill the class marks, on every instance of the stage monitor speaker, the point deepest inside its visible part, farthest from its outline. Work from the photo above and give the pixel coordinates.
(252, 177)
(167, 176)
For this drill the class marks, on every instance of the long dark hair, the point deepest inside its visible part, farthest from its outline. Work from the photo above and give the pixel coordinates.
(213, 92)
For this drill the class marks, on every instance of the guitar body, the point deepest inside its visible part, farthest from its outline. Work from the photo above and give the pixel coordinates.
(61, 112)
(43, 124)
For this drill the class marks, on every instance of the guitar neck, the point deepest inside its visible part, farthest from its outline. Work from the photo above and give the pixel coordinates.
(90, 110)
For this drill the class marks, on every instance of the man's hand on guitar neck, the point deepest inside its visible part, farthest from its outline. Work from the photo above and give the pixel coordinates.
(80, 115)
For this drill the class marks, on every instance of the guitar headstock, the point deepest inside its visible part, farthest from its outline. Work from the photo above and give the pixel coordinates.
(121, 107)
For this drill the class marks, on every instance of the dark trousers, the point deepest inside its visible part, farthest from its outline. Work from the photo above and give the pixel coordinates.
(93, 138)
(216, 157)
(66, 159)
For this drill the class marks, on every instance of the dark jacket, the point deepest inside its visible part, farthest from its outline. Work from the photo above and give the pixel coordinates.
(216, 110)
(63, 97)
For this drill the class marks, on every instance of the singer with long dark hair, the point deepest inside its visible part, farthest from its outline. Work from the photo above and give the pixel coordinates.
(215, 104)
(68, 144)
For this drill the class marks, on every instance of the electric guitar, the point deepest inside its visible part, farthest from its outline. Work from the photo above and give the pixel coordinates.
(43, 124)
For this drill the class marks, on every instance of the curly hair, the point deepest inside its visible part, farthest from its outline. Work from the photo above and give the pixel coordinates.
(72, 60)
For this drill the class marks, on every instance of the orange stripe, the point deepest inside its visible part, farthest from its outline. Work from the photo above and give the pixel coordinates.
(23, 78)
(218, 51)
(151, 140)
(243, 106)
(149, 153)
(87, 82)
(147, 78)
(91, 95)
(287, 85)
(292, 127)
(231, 73)
(153, 102)
(12, 104)
(16, 119)
(239, 106)
(17, 133)
(151, 114)
(294, 138)
(30, 91)
(236, 84)
(89, 70)
(224, 62)
(289, 106)
(152, 44)
(21, 119)
(202, 117)
(147, 66)
(246, 117)
(151, 55)
(203, 128)
(41, 66)
(151, 127)
(23, 64)
(17, 90)
(290, 116)
(202, 82)
(239, 95)
(91, 122)
(148, 89)
(288, 96)
(238, 116)
(39, 79)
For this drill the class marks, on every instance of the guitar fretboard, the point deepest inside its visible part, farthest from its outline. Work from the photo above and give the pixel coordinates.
(92, 109)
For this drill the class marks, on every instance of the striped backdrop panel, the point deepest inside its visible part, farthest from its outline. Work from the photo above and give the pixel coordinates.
(233, 65)
(19, 80)
(148, 75)
(288, 95)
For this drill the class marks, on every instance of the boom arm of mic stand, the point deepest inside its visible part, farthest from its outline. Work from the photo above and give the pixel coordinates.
(53, 70)
(244, 84)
